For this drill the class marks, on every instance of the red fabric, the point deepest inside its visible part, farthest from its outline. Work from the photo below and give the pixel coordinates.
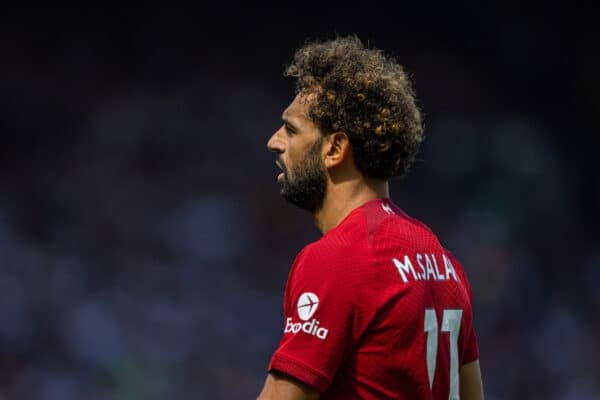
(354, 318)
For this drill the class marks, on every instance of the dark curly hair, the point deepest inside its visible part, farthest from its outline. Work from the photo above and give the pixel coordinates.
(365, 94)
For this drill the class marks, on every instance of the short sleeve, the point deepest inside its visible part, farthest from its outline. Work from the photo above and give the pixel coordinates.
(321, 322)
(469, 349)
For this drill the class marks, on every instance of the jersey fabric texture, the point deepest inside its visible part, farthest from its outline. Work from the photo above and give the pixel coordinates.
(377, 309)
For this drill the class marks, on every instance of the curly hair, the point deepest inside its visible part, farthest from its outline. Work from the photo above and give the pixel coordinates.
(365, 94)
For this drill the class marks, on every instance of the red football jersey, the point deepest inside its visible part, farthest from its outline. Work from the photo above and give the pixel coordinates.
(377, 309)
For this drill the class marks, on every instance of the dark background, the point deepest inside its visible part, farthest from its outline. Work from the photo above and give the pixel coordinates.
(144, 245)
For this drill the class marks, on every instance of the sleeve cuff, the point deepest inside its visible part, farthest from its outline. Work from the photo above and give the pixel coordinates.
(299, 371)
(470, 356)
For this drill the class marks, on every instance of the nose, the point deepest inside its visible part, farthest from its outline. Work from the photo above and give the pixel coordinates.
(275, 143)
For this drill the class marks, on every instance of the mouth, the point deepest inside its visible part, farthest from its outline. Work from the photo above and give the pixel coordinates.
(281, 175)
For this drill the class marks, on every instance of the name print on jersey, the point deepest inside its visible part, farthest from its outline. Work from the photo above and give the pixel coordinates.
(306, 307)
(428, 265)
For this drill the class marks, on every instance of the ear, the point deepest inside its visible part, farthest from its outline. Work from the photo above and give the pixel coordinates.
(336, 149)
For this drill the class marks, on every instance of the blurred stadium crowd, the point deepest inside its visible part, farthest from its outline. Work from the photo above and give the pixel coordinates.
(144, 246)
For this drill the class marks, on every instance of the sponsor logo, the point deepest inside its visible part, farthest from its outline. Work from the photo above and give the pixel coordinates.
(310, 327)
(306, 307)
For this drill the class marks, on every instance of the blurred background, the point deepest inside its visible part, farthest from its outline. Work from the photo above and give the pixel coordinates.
(144, 246)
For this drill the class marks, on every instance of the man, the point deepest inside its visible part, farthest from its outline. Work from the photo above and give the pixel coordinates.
(376, 308)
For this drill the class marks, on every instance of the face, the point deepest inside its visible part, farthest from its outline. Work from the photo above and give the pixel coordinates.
(298, 146)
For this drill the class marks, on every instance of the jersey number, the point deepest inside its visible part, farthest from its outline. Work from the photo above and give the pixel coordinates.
(450, 323)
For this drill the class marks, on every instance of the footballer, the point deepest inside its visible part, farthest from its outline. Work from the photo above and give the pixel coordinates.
(377, 308)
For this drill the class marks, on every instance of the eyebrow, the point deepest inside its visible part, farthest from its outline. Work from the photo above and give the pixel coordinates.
(288, 122)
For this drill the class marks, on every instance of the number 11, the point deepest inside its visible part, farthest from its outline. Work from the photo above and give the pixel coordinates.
(450, 323)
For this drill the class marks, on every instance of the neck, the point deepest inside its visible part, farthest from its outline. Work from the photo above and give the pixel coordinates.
(344, 197)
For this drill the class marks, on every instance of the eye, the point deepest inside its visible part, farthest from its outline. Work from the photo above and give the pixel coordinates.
(289, 129)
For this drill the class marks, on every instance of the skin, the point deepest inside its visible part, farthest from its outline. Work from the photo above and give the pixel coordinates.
(471, 385)
(347, 189)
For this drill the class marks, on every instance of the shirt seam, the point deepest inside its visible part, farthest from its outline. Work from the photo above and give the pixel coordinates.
(286, 358)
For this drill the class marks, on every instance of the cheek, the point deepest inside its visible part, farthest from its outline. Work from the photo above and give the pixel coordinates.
(291, 159)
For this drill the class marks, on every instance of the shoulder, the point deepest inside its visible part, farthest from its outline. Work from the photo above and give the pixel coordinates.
(339, 256)
(460, 270)
(332, 255)
(389, 225)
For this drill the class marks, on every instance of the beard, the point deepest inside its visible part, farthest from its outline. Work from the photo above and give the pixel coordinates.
(305, 184)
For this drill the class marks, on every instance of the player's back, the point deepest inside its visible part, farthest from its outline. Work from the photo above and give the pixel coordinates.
(414, 307)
